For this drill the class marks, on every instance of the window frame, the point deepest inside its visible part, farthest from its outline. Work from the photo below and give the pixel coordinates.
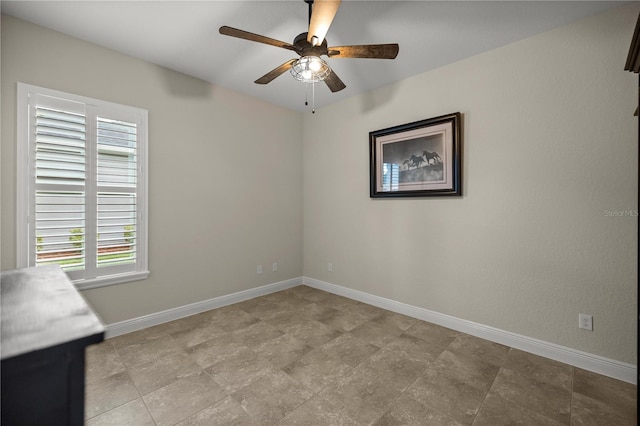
(26, 188)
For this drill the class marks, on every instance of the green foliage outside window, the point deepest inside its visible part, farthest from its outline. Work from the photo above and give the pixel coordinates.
(128, 233)
(76, 237)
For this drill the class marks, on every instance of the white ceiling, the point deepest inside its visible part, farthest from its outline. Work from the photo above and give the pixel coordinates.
(183, 36)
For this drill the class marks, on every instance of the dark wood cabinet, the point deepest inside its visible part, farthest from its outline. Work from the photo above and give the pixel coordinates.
(46, 326)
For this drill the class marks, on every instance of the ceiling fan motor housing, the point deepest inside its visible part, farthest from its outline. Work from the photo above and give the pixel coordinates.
(304, 48)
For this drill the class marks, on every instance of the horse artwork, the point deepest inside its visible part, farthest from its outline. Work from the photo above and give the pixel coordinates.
(428, 156)
(425, 167)
(416, 159)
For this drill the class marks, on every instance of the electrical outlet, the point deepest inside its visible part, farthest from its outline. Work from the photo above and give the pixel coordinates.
(585, 322)
(330, 267)
(259, 270)
(274, 267)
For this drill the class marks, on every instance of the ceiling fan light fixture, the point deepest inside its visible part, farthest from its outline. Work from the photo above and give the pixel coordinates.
(310, 69)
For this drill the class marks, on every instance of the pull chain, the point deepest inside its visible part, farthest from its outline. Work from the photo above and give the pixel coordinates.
(313, 96)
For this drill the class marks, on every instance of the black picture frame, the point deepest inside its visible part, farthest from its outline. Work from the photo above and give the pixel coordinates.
(419, 159)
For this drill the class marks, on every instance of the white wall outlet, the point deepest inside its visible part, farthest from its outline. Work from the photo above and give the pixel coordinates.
(330, 267)
(585, 322)
(259, 270)
(274, 267)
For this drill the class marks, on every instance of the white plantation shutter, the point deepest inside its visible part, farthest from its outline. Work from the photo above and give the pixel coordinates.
(117, 182)
(60, 165)
(81, 186)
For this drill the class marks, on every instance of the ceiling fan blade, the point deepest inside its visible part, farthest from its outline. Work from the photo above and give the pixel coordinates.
(333, 82)
(271, 75)
(246, 35)
(373, 51)
(323, 13)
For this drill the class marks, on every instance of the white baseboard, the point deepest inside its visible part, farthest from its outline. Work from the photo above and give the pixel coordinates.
(139, 323)
(597, 364)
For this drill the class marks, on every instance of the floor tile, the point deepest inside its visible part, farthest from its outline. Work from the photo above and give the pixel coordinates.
(361, 395)
(288, 319)
(288, 301)
(455, 385)
(230, 318)
(137, 337)
(147, 350)
(496, 411)
(256, 334)
(282, 350)
(131, 413)
(196, 334)
(378, 331)
(338, 302)
(543, 398)
(475, 347)
(239, 369)
(415, 348)
(408, 412)
(317, 411)
(226, 412)
(102, 361)
(618, 395)
(347, 305)
(266, 307)
(403, 322)
(432, 333)
(104, 394)
(183, 398)
(215, 350)
(314, 311)
(271, 397)
(590, 412)
(365, 310)
(316, 370)
(539, 368)
(163, 371)
(349, 349)
(396, 369)
(341, 320)
(313, 333)
(266, 310)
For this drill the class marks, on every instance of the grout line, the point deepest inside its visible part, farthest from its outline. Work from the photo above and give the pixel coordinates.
(493, 382)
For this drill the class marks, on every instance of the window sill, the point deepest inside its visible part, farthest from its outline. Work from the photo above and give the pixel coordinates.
(110, 280)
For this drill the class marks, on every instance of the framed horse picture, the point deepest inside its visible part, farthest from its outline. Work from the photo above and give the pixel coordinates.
(419, 159)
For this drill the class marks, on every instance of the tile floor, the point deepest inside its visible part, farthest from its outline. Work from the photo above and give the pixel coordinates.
(307, 357)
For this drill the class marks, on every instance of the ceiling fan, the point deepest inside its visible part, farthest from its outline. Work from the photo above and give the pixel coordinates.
(310, 46)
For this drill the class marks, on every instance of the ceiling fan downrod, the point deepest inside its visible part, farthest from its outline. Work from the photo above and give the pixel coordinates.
(310, 4)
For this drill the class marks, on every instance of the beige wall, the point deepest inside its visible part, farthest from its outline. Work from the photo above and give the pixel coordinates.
(225, 171)
(550, 144)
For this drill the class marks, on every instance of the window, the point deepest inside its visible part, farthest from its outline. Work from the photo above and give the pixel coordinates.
(82, 186)
(390, 176)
